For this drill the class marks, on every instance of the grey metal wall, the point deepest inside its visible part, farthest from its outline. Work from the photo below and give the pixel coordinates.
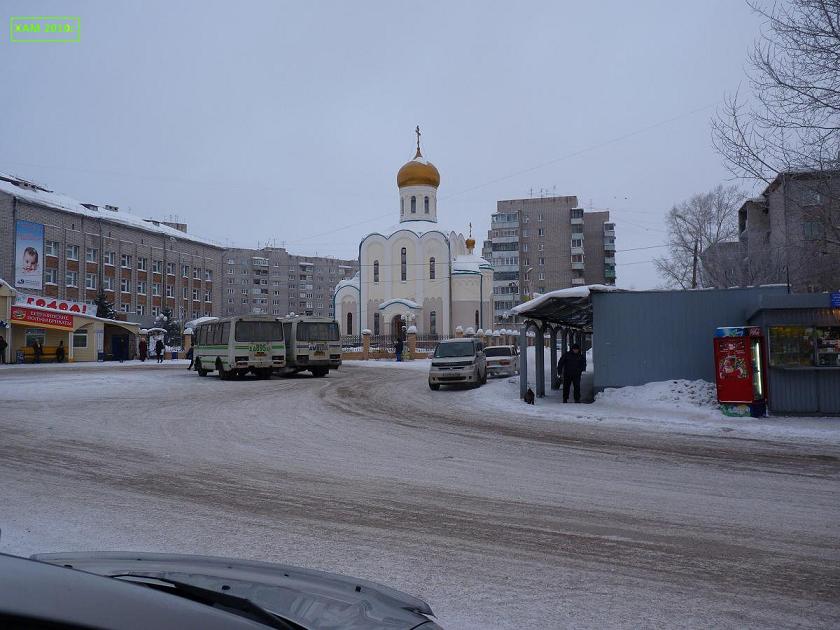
(644, 336)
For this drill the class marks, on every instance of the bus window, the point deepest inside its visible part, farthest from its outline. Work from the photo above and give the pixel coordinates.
(225, 333)
(258, 331)
(317, 331)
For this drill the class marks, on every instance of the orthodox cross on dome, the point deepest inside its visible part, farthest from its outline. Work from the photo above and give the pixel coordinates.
(417, 131)
(470, 229)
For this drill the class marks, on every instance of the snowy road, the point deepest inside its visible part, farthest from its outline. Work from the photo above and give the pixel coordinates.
(498, 519)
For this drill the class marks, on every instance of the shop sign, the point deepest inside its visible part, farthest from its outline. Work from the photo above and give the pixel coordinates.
(42, 318)
(835, 300)
(48, 302)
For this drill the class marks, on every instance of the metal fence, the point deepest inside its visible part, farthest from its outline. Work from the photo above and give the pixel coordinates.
(351, 343)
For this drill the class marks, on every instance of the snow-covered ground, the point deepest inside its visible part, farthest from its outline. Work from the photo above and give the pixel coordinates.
(499, 514)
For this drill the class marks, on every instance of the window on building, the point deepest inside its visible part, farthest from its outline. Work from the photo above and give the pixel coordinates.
(124, 307)
(72, 252)
(432, 268)
(542, 261)
(196, 273)
(541, 247)
(195, 295)
(170, 268)
(141, 287)
(433, 322)
(577, 242)
(157, 266)
(403, 265)
(90, 281)
(577, 258)
(170, 291)
(426, 204)
(35, 334)
(124, 285)
(402, 206)
(125, 261)
(49, 275)
(156, 310)
(540, 217)
(207, 296)
(349, 330)
(476, 319)
(376, 324)
(185, 271)
(208, 275)
(812, 230)
(107, 283)
(141, 309)
(142, 263)
(71, 279)
(80, 338)
(185, 293)
(541, 276)
(91, 255)
(155, 288)
(541, 232)
(108, 258)
(51, 248)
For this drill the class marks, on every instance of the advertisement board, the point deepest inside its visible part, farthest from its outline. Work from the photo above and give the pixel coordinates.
(46, 319)
(29, 255)
(62, 305)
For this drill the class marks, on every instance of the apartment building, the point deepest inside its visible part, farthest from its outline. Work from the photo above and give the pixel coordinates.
(272, 281)
(54, 246)
(541, 244)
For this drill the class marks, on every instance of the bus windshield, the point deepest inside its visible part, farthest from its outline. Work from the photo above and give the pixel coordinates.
(258, 331)
(317, 331)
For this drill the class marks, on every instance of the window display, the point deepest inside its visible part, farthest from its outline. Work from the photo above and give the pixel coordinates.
(791, 346)
(828, 346)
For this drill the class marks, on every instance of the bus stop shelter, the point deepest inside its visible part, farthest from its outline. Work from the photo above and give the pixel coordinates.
(564, 315)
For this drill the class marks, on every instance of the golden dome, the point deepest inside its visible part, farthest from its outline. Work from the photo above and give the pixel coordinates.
(418, 172)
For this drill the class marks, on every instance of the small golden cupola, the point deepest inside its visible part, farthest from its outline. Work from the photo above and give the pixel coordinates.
(418, 171)
(470, 242)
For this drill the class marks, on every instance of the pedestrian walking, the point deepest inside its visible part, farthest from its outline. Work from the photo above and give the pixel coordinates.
(570, 366)
(159, 350)
(38, 350)
(3, 345)
(190, 357)
(398, 348)
(60, 352)
(144, 350)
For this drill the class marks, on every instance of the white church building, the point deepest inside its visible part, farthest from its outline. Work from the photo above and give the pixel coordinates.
(418, 274)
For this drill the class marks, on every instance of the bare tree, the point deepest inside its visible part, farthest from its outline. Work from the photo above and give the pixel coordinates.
(793, 121)
(706, 222)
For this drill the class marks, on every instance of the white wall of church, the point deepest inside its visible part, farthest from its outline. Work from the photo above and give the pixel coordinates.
(420, 193)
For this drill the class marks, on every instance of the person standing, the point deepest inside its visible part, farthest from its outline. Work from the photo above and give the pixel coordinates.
(190, 357)
(38, 350)
(159, 350)
(3, 345)
(398, 348)
(144, 350)
(570, 366)
(60, 352)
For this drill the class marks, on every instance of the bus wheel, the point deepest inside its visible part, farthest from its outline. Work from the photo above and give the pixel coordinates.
(221, 370)
(319, 372)
(265, 374)
(201, 371)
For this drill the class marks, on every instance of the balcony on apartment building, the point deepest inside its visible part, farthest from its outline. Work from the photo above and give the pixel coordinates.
(609, 260)
(576, 215)
(257, 261)
(577, 249)
(578, 265)
(609, 272)
(576, 282)
(609, 246)
(609, 229)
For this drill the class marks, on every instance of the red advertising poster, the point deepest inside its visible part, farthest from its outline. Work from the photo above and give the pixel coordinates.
(734, 375)
(47, 319)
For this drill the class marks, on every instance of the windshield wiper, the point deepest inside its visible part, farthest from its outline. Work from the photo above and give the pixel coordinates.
(224, 601)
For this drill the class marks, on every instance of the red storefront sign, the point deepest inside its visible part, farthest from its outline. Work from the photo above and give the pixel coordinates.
(54, 303)
(48, 319)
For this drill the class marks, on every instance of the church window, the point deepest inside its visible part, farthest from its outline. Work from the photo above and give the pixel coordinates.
(403, 265)
(376, 271)
(433, 322)
(349, 324)
(432, 268)
(413, 205)
(426, 204)
(476, 320)
(402, 205)
(376, 323)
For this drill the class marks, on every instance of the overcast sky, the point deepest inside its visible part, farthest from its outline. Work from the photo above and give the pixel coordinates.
(257, 121)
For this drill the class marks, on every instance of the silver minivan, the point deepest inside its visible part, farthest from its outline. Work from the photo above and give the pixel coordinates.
(457, 361)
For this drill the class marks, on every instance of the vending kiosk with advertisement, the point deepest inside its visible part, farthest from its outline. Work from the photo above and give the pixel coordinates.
(739, 371)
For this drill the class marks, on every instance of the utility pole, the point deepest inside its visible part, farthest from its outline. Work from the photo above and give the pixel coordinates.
(694, 266)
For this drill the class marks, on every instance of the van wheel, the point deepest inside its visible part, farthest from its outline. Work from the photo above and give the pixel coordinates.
(199, 369)
(434, 386)
(319, 372)
(484, 378)
(221, 370)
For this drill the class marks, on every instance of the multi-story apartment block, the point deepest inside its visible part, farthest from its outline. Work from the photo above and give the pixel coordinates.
(791, 234)
(142, 265)
(272, 281)
(546, 243)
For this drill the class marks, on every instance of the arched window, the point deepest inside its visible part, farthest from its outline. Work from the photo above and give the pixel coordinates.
(403, 264)
(413, 204)
(433, 322)
(426, 204)
(376, 323)
(476, 319)
(376, 271)
(402, 205)
(349, 323)
(432, 268)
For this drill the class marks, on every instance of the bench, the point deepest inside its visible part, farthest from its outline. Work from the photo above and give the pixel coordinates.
(47, 356)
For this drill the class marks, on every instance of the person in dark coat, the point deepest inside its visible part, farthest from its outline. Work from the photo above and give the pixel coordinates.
(38, 350)
(159, 350)
(3, 345)
(144, 350)
(398, 348)
(190, 357)
(60, 353)
(570, 366)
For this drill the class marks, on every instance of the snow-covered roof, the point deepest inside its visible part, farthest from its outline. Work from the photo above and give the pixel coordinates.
(349, 282)
(403, 301)
(198, 321)
(470, 263)
(188, 331)
(59, 201)
(570, 292)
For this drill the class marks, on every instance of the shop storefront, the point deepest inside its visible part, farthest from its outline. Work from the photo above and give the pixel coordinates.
(83, 337)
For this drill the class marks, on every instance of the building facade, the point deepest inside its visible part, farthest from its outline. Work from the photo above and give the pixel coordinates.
(272, 281)
(541, 244)
(790, 234)
(419, 274)
(142, 265)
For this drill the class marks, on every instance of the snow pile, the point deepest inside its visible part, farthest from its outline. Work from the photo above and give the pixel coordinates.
(679, 394)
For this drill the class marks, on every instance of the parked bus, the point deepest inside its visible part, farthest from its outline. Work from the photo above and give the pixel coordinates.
(312, 343)
(234, 346)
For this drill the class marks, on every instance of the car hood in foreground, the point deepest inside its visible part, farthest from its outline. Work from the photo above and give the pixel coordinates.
(307, 597)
